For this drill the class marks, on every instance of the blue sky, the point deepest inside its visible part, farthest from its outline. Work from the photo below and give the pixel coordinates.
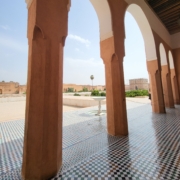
(82, 51)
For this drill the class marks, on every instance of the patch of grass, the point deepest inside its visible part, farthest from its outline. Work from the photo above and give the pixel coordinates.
(77, 94)
(135, 93)
(103, 94)
(97, 93)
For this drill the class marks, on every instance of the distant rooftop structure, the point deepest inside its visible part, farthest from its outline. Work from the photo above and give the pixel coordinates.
(140, 83)
(11, 87)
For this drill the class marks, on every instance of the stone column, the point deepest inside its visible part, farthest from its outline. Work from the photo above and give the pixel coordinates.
(47, 29)
(115, 89)
(175, 87)
(112, 53)
(157, 99)
(176, 71)
(167, 88)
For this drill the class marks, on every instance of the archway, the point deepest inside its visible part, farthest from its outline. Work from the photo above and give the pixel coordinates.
(146, 31)
(166, 81)
(82, 50)
(171, 61)
(173, 79)
(163, 56)
(151, 57)
(47, 32)
(105, 20)
(0, 91)
(135, 67)
(116, 118)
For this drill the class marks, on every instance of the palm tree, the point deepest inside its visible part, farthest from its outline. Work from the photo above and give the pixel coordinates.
(92, 77)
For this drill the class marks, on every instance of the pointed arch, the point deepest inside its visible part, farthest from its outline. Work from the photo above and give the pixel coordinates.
(38, 33)
(163, 56)
(146, 30)
(171, 61)
(104, 15)
(114, 58)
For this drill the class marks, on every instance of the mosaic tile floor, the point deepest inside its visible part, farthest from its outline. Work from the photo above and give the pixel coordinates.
(150, 152)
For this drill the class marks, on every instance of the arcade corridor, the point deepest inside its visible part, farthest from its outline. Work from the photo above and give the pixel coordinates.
(151, 151)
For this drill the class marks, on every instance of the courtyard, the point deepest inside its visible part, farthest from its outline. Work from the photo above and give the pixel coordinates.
(55, 46)
(151, 151)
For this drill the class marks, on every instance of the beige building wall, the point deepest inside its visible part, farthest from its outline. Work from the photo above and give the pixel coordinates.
(22, 89)
(9, 87)
(14, 87)
(80, 87)
(74, 86)
(140, 83)
(127, 87)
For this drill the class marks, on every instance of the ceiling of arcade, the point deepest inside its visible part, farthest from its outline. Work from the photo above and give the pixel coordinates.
(169, 13)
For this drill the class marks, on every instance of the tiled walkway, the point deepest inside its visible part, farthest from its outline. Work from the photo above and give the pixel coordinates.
(151, 151)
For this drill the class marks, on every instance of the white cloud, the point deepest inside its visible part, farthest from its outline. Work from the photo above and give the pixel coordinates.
(5, 27)
(8, 42)
(80, 39)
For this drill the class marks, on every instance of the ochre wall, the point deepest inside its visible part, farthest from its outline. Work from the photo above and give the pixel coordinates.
(22, 89)
(139, 83)
(80, 87)
(168, 91)
(158, 41)
(9, 87)
(176, 56)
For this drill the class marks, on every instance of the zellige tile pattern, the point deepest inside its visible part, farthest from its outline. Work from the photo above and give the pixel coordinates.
(151, 151)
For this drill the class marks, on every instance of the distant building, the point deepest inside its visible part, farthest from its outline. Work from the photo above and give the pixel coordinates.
(76, 88)
(14, 87)
(127, 87)
(141, 83)
(22, 89)
(11, 88)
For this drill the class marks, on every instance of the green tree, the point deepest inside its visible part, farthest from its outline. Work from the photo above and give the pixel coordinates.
(85, 89)
(70, 89)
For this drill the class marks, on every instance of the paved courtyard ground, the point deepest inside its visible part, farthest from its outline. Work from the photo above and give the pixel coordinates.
(16, 110)
(149, 152)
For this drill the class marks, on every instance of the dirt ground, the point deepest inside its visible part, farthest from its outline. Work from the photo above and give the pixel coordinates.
(16, 110)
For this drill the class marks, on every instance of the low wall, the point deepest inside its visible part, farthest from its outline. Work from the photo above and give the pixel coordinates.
(80, 93)
(79, 101)
(12, 99)
(12, 95)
